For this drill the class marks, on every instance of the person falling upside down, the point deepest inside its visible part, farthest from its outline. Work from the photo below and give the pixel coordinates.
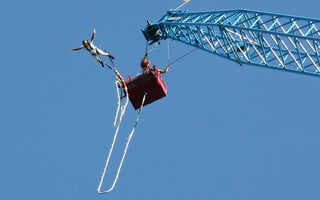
(95, 51)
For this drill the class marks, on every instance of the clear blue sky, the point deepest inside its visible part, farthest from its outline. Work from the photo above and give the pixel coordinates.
(223, 132)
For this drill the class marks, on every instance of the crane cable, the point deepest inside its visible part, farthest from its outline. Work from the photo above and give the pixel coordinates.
(147, 52)
(179, 58)
(168, 44)
(117, 122)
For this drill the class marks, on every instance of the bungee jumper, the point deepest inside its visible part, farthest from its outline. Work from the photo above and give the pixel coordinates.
(94, 51)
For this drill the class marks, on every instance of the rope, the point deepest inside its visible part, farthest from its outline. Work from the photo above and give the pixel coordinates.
(111, 65)
(118, 121)
(184, 55)
(147, 52)
(179, 58)
(184, 3)
(125, 149)
(139, 113)
(168, 52)
(120, 83)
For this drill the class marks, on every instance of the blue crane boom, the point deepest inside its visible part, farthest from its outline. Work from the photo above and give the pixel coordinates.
(270, 40)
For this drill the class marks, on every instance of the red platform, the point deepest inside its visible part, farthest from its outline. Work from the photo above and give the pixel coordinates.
(150, 83)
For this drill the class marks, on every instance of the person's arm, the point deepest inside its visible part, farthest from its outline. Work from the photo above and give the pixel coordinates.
(76, 49)
(93, 35)
(165, 70)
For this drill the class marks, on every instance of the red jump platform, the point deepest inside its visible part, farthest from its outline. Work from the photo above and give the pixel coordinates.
(151, 83)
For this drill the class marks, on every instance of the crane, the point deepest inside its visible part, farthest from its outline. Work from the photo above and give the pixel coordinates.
(274, 41)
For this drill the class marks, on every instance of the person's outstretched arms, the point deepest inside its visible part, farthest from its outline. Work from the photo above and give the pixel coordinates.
(93, 35)
(76, 49)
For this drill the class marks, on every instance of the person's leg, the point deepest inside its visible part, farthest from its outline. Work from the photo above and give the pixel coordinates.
(99, 60)
(104, 53)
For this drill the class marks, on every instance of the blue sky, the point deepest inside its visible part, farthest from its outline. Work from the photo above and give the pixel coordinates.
(223, 132)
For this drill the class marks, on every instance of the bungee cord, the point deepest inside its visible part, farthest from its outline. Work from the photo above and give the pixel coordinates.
(117, 122)
(116, 119)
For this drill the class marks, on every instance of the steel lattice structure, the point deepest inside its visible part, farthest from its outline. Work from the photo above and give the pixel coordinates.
(271, 40)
